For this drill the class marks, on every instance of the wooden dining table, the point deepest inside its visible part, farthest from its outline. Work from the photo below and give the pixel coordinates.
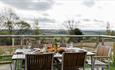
(20, 54)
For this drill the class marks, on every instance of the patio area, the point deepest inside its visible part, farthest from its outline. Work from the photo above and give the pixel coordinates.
(6, 67)
(88, 43)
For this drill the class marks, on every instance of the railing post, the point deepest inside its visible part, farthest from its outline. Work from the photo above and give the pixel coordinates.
(21, 42)
(98, 41)
(13, 40)
(102, 42)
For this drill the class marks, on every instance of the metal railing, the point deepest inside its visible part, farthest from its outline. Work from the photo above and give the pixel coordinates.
(21, 37)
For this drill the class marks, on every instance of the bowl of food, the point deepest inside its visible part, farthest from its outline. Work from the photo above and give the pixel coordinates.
(61, 50)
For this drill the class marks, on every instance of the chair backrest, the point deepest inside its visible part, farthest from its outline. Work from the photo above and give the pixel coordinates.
(39, 61)
(72, 61)
(103, 51)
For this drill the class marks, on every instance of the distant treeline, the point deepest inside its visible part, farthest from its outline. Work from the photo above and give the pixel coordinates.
(29, 32)
(53, 31)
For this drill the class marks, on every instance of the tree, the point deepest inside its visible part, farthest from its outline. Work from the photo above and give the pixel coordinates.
(71, 25)
(108, 31)
(5, 41)
(22, 27)
(76, 31)
(113, 33)
(36, 30)
(8, 19)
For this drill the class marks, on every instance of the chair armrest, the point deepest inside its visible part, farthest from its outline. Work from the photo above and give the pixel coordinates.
(105, 59)
(93, 51)
(101, 57)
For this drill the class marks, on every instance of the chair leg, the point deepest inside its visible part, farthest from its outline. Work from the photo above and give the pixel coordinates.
(10, 66)
(109, 67)
(97, 68)
(84, 67)
(102, 68)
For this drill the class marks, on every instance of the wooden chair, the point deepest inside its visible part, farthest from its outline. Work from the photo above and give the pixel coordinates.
(39, 61)
(73, 61)
(102, 58)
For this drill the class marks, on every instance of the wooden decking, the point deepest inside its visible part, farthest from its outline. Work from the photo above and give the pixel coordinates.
(7, 67)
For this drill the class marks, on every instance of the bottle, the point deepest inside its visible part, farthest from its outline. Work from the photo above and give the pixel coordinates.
(71, 45)
(29, 46)
(45, 48)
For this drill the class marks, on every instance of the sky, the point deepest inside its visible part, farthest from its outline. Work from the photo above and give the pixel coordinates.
(52, 14)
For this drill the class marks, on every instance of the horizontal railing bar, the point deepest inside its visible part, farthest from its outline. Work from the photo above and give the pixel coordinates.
(108, 36)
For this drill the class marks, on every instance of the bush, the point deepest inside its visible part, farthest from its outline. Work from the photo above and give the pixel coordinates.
(5, 41)
(76, 31)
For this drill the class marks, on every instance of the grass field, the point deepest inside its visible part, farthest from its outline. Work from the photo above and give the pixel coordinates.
(112, 67)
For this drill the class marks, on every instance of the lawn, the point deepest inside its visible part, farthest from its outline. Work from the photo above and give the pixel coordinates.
(112, 67)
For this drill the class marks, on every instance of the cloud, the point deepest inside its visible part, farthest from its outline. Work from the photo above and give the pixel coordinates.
(41, 19)
(52, 13)
(47, 20)
(40, 5)
(89, 3)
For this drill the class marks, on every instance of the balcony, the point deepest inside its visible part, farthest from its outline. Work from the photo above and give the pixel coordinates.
(9, 43)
